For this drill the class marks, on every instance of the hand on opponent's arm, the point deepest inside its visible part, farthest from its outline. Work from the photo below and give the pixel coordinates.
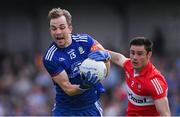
(100, 55)
(104, 55)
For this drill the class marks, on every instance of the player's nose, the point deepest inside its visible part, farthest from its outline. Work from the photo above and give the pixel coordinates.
(58, 31)
(135, 56)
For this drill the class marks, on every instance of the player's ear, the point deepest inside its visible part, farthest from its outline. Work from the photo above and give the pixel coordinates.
(149, 54)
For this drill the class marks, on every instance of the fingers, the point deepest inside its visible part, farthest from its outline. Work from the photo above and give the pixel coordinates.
(94, 79)
(83, 77)
(94, 55)
(99, 55)
(90, 78)
(86, 76)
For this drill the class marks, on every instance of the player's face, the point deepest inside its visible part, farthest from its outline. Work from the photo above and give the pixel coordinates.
(139, 57)
(60, 31)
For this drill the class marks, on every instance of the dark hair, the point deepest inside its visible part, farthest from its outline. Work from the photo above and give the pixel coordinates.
(58, 12)
(148, 44)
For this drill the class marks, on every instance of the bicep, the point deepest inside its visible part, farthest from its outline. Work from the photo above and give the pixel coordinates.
(162, 106)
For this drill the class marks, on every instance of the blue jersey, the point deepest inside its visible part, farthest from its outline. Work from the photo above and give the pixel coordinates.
(69, 59)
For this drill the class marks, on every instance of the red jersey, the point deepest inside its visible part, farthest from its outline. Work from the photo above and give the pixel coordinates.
(143, 88)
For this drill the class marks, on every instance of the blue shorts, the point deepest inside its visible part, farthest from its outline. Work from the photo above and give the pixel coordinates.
(92, 110)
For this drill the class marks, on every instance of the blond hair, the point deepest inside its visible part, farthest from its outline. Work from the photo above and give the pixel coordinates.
(58, 12)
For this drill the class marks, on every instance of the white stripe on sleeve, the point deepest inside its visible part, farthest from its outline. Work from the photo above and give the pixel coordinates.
(157, 86)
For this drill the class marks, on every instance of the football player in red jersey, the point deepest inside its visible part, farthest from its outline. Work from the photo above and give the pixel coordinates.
(146, 86)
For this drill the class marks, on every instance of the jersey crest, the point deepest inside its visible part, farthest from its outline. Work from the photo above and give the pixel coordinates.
(81, 51)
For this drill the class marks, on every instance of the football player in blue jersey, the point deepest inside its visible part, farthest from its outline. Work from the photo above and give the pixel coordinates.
(75, 96)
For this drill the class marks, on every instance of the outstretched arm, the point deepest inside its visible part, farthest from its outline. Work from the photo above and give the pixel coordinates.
(104, 55)
(117, 58)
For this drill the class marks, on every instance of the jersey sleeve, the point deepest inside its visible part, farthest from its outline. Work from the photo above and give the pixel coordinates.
(126, 64)
(52, 68)
(95, 45)
(158, 87)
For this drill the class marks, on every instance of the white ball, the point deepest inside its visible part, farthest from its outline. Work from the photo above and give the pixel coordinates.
(95, 67)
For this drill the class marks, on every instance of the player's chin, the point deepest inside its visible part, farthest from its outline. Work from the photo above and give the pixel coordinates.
(60, 43)
(135, 66)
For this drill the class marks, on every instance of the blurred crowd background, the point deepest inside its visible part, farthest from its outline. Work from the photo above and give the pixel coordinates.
(25, 86)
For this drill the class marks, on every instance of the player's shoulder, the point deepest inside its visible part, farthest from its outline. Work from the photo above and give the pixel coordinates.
(50, 52)
(81, 37)
(154, 72)
(155, 76)
(157, 84)
(127, 64)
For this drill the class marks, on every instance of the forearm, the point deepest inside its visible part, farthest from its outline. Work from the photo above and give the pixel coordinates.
(108, 67)
(117, 58)
(72, 90)
(63, 81)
